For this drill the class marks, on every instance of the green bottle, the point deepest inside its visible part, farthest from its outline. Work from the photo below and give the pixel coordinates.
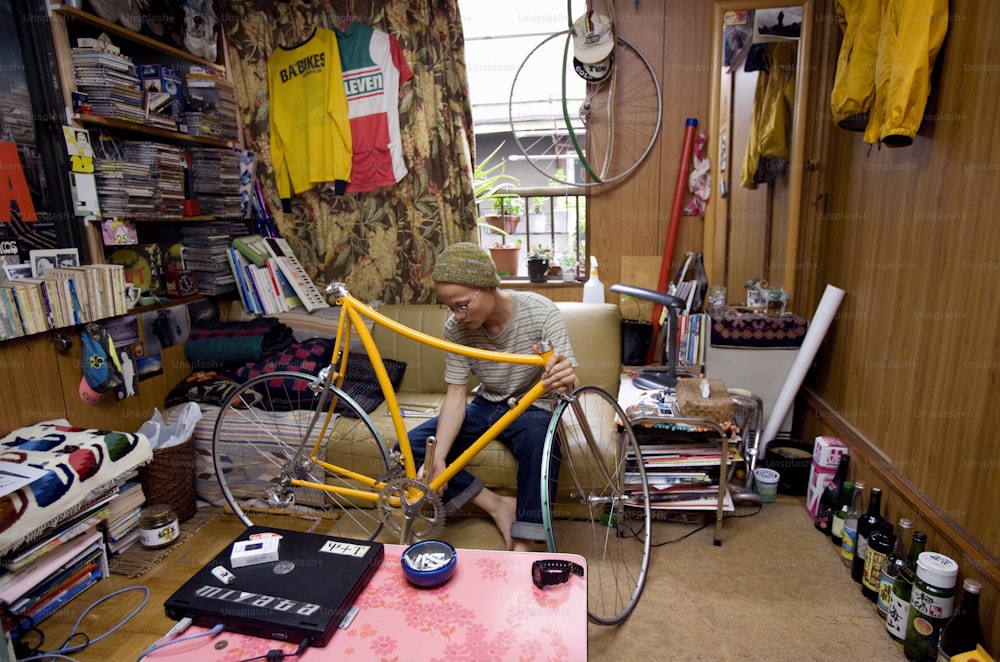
(899, 602)
(837, 522)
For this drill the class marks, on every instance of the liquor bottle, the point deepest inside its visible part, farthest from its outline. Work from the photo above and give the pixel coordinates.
(837, 521)
(866, 524)
(880, 545)
(896, 560)
(850, 534)
(932, 603)
(830, 498)
(899, 602)
(963, 632)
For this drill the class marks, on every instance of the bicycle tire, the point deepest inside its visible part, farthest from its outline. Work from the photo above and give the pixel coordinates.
(618, 116)
(591, 507)
(257, 435)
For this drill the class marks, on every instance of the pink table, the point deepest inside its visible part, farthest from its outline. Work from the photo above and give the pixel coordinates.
(489, 610)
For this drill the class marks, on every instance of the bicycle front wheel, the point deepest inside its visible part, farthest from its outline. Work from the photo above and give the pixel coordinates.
(595, 500)
(580, 132)
(264, 438)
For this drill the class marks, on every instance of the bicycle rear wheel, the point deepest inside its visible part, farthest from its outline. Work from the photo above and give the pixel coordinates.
(586, 133)
(595, 500)
(255, 453)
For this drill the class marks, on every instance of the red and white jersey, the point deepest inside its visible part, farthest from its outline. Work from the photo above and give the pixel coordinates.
(374, 70)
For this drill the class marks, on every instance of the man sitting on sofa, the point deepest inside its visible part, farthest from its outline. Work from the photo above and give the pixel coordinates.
(487, 317)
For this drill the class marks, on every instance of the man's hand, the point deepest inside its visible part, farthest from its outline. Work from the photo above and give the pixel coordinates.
(559, 373)
(439, 465)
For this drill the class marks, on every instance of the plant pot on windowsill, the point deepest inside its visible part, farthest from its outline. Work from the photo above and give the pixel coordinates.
(538, 269)
(506, 258)
(502, 224)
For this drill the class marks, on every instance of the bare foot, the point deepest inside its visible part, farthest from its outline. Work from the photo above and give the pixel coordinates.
(503, 510)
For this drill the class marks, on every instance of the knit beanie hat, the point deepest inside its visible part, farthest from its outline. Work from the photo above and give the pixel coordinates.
(465, 263)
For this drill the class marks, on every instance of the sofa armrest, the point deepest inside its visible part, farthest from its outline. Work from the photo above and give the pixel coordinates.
(595, 332)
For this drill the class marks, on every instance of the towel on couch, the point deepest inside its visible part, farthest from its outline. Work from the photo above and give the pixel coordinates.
(214, 344)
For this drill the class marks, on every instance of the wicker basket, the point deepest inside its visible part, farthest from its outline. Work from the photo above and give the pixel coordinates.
(718, 406)
(169, 479)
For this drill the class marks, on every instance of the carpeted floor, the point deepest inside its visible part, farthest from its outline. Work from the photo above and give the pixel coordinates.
(775, 590)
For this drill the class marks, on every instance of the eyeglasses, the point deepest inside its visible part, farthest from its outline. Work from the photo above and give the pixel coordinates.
(464, 308)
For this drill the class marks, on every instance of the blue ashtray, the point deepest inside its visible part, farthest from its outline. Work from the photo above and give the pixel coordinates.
(429, 563)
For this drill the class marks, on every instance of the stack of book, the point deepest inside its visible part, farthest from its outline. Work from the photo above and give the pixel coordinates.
(122, 514)
(166, 169)
(216, 96)
(215, 181)
(109, 79)
(42, 576)
(64, 296)
(124, 187)
(269, 278)
(206, 251)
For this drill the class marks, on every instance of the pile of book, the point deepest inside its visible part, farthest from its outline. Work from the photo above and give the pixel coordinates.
(124, 187)
(122, 515)
(269, 278)
(42, 576)
(206, 253)
(109, 79)
(63, 296)
(215, 181)
(166, 171)
(216, 97)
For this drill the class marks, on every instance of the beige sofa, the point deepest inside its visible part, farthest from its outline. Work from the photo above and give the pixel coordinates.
(594, 332)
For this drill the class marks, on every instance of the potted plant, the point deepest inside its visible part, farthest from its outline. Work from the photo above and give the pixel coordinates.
(539, 258)
(490, 182)
(568, 263)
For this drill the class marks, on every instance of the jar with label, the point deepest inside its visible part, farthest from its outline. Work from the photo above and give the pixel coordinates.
(931, 603)
(158, 526)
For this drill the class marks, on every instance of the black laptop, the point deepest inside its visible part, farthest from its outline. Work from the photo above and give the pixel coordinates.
(304, 593)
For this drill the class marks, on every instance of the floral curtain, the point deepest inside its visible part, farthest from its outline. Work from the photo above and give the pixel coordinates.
(382, 244)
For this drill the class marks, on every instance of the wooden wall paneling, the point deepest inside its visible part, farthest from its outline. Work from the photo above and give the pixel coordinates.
(29, 371)
(908, 372)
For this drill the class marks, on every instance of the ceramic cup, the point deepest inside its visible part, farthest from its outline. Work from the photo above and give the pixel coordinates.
(131, 296)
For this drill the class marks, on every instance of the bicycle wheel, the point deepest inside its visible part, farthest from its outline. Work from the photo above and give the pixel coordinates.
(255, 455)
(584, 133)
(595, 500)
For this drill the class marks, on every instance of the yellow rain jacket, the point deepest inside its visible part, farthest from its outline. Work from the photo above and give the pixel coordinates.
(854, 83)
(910, 34)
(770, 119)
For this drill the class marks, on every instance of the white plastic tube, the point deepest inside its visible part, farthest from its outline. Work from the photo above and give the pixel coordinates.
(818, 327)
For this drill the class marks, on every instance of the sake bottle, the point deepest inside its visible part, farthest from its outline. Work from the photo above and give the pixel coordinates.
(963, 632)
(850, 534)
(837, 521)
(893, 564)
(899, 602)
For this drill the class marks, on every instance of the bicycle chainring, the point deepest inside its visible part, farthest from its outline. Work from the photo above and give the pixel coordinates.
(408, 505)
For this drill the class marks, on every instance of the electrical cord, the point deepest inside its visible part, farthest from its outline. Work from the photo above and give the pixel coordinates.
(162, 643)
(275, 655)
(66, 648)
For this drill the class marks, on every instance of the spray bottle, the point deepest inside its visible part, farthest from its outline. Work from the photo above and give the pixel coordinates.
(593, 289)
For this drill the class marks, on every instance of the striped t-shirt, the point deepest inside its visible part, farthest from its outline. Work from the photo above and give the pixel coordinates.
(534, 318)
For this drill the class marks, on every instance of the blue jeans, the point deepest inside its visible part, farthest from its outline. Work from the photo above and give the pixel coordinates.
(524, 437)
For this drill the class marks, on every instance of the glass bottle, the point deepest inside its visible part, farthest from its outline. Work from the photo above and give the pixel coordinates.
(830, 498)
(896, 560)
(963, 632)
(881, 542)
(902, 587)
(837, 521)
(932, 603)
(866, 524)
(850, 534)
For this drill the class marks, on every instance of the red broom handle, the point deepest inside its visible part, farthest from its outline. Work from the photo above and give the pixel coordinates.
(690, 126)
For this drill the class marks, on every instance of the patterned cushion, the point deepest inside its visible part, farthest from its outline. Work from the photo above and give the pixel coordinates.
(738, 329)
(311, 356)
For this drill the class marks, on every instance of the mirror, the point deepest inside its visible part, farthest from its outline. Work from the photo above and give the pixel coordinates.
(752, 217)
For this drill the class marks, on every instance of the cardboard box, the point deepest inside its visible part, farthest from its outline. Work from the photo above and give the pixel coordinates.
(827, 452)
(826, 458)
(161, 78)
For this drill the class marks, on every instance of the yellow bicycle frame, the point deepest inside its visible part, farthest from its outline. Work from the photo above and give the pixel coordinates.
(352, 317)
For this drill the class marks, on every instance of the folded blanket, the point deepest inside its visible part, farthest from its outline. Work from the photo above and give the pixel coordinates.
(216, 344)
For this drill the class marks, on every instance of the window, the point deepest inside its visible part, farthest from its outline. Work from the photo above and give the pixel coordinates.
(530, 208)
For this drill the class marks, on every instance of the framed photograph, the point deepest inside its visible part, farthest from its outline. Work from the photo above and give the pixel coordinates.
(12, 271)
(51, 258)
